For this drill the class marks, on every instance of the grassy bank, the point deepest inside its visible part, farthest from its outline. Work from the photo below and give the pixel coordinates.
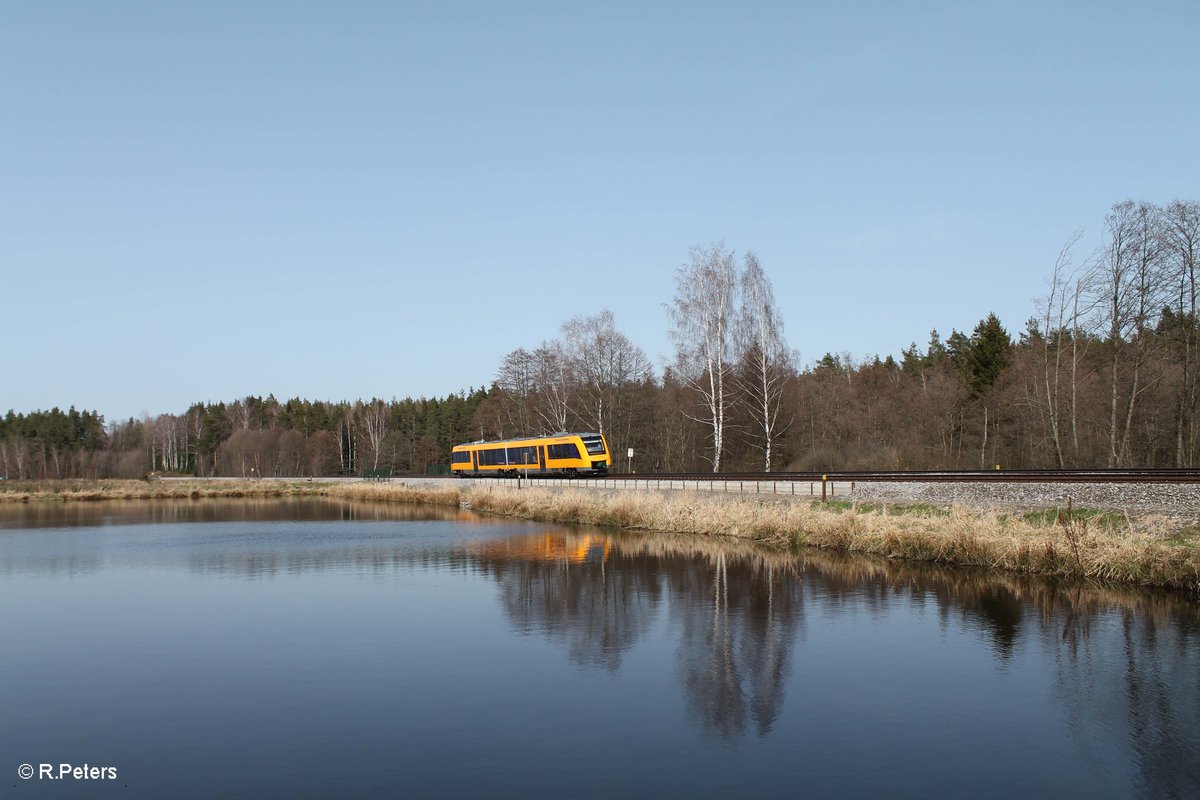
(1144, 550)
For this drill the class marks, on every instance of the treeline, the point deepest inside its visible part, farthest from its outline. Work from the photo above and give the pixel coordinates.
(251, 437)
(60, 443)
(1105, 372)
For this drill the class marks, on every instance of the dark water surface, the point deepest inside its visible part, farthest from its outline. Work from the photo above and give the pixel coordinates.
(314, 648)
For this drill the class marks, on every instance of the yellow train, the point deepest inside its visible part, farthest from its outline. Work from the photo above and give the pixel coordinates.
(563, 454)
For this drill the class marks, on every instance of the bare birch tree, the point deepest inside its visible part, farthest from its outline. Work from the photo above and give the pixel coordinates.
(1181, 230)
(347, 452)
(167, 435)
(375, 419)
(195, 427)
(516, 378)
(242, 413)
(702, 323)
(604, 362)
(1128, 280)
(552, 381)
(1058, 307)
(765, 357)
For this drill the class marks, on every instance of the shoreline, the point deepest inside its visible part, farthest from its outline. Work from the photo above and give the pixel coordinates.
(1153, 551)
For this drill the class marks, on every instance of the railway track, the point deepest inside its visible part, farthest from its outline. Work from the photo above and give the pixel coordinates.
(1169, 476)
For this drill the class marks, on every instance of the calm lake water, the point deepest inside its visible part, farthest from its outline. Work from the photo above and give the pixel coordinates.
(313, 648)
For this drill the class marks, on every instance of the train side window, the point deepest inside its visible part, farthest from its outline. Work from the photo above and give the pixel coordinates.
(563, 451)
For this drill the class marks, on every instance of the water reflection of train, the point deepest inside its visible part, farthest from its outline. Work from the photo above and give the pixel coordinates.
(564, 454)
(567, 548)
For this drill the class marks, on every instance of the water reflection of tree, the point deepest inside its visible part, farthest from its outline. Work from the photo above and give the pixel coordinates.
(220, 509)
(737, 622)
(1127, 661)
(985, 602)
(1133, 673)
(573, 587)
(737, 612)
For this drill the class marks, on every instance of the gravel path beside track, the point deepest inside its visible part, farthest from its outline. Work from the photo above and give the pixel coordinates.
(1170, 499)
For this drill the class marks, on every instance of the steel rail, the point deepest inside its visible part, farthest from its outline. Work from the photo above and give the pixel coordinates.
(931, 476)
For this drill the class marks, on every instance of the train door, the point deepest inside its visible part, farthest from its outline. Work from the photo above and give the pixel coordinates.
(475, 461)
(542, 457)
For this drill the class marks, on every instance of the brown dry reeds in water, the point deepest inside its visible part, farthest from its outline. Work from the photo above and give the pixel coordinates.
(395, 493)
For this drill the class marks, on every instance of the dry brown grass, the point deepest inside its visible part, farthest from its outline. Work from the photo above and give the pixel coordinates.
(395, 493)
(84, 490)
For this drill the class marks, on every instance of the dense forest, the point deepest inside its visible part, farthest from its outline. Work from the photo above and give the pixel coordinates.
(1104, 372)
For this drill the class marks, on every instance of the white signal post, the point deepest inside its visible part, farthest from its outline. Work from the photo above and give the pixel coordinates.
(630, 459)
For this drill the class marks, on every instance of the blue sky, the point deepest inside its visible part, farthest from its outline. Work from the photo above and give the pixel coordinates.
(200, 201)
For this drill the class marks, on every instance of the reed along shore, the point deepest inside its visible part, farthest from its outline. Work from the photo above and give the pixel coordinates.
(1147, 550)
(92, 490)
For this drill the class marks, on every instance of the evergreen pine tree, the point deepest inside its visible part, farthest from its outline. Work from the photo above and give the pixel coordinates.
(986, 355)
